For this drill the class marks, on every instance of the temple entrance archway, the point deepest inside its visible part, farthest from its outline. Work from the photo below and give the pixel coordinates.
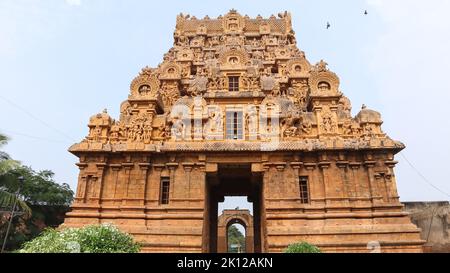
(233, 179)
(229, 218)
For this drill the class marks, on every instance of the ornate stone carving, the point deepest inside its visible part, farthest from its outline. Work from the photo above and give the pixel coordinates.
(170, 93)
(268, 82)
(250, 82)
(206, 53)
(290, 126)
(298, 68)
(233, 22)
(170, 71)
(213, 129)
(328, 123)
(299, 91)
(198, 85)
(145, 85)
(233, 57)
(323, 82)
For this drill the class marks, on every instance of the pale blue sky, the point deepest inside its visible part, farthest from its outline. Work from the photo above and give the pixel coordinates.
(64, 60)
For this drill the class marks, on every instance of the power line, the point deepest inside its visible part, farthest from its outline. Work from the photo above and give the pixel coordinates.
(422, 176)
(34, 137)
(36, 118)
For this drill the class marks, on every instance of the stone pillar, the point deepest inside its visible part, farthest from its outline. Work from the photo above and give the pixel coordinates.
(144, 167)
(354, 166)
(391, 183)
(296, 166)
(324, 165)
(343, 168)
(172, 167)
(369, 164)
(99, 186)
(187, 169)
(127, 167)
(157, 181)
(280, 181)
(82, 184)
(116, 171)
(382, 186)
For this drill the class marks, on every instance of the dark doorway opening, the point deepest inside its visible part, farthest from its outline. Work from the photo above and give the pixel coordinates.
(233, 180)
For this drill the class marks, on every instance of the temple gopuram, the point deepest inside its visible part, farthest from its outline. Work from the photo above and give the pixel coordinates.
(236, 109)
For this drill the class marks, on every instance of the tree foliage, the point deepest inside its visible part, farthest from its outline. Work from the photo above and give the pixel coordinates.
(7, 165)
(104, 238)
(235, 237)
(38, 192)
(302, 247)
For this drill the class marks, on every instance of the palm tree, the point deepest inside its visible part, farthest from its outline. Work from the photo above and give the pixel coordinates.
(8, 199)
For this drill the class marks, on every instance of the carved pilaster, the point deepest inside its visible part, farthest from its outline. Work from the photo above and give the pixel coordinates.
(324, 167)
(101, 168)
(81, 189)
(343, 168)
(172, 167)
(127, 167)
(116, 170)
(373, 191)
(144, 167)
(187, 169)
(296, 166)
(390, 181)
(354, 166)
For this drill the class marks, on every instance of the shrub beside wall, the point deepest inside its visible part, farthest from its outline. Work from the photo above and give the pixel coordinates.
(90, 239)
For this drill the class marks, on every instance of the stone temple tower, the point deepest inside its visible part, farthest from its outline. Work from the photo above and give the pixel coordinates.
(236, 109)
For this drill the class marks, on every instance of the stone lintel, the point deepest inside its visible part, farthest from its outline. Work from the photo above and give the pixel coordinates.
(342, 164)
(369, 163)
(128, 165)
(188, 166)
(310, 166)
(172, 166)
(324, 164)
(159, 167)
(390, 163)
(115, 167)
(81, 166)
(354, 165)
(144, 166)
(296, 165)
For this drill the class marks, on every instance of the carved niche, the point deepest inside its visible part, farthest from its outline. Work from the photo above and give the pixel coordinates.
(170, 71)
(323, 82)
(233, 22)
(145, 85)
(298, 68)
(328, 121)
(233, 58)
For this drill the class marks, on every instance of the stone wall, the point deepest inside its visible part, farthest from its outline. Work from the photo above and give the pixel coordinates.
(433, 218)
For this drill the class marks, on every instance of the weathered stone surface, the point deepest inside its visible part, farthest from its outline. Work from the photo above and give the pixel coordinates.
(433, 218)
(235, 108)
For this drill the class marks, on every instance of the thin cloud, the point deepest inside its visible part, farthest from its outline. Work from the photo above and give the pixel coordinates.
(73, 2)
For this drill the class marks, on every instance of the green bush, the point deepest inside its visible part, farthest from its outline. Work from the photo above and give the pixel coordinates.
(302, 247)
(104, 238)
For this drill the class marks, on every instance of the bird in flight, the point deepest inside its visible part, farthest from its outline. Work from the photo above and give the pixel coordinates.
(328, 25)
